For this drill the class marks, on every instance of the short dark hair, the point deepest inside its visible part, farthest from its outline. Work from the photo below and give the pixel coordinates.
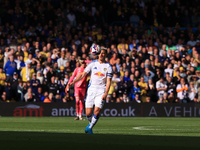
(104, 48)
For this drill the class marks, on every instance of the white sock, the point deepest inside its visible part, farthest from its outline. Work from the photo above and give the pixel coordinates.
(89, 118)
(94, 121)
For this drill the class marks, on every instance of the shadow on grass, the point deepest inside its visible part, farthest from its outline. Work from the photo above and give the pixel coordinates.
(56, 141)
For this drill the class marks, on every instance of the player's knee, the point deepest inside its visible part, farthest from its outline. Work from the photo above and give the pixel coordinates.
(97, 111)
(77, 102)
(88, 112)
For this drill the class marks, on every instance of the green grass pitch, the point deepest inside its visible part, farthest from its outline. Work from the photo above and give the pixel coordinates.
(109, 133)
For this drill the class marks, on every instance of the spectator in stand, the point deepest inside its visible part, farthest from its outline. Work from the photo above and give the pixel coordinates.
(169, 69)
(114, 82)
(20, 90)
(135, 90)
(35, 83)
(62, 61)
(171, 86)
(133, 45)
(161, 87)
(10, 67)
(192, 93)
(2, 80)
(53, 87)
(161, 100)
(29, 96)
(120, 87)
(182, 72)
(151, 90)
(165, 97)
(148, 75)
(14, 83)
(113, 60)
(113, 97)
(27, 72)
(125, 98)
(182, 91)
(49, 99)
(50, 73)
(61, 74)
(130, 83)
(192, 42)
(194, 79)
(58, 98)
(137, 98)
(126, 76)
(40, 77)
(144, 87)
(4, 98)
(8, 90)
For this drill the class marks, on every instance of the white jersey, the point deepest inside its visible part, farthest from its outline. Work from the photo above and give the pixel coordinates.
(99, 73)
(160, 85)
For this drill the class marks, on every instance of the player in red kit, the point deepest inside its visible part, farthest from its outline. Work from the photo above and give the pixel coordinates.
(80, 89)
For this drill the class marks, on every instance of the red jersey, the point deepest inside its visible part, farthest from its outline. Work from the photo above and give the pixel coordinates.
(83, 82)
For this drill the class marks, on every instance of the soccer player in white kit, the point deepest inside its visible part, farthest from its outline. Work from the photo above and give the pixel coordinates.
(100, 80)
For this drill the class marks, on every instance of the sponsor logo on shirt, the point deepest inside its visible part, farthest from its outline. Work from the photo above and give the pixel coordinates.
(99, 74)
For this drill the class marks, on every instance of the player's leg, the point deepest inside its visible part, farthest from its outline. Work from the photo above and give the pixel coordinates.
(89, 102)
(77, 108)
(77, 103)
(80, 109)
(98, 106)
(88, 112)
(95, 117)
(82, 96)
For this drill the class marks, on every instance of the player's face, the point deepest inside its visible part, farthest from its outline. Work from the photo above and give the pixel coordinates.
(102, 55)
(83, 65)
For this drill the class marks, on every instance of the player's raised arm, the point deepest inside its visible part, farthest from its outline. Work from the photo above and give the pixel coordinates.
(73, 76)
(70, 80)
(78, 78)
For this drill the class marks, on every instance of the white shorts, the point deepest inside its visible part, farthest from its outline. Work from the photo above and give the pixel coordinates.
(94, 98)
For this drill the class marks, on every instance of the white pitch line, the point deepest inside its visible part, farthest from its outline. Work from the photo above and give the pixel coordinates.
(149, 128)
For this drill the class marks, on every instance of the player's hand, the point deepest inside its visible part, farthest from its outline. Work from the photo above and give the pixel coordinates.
(67, 91)
(104, 96)
(70, 84)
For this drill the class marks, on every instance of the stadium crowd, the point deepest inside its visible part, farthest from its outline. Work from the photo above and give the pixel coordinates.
(154, 59)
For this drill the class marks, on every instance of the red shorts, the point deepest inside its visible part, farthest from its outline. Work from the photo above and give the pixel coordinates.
(80, 93)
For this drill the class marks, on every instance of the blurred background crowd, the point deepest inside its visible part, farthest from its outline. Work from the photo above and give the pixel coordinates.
(152, 45)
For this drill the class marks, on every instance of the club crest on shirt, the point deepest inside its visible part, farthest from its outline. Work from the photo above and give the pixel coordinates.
(105, 69)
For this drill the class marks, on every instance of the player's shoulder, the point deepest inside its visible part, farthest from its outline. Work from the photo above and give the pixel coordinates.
(93, 62)
(108, 64)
